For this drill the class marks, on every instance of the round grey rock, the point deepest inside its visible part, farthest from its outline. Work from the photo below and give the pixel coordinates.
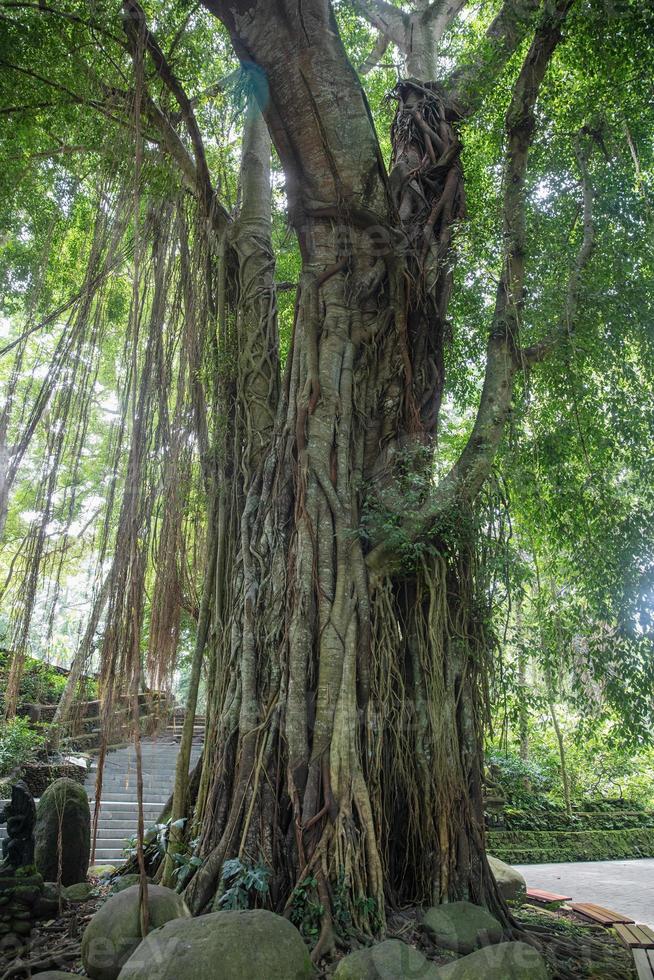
(461, 926)
(512, 885)
(390, 960)
(125, 881)
(506, 961)
(114, 932)
(79, 892)
(249, 945)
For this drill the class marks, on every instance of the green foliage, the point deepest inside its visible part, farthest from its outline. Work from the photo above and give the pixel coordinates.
(156, 838)
(306, 910)
(612, 817)
(18, 744)
(545, 847)
(245, 886)
(40, 683)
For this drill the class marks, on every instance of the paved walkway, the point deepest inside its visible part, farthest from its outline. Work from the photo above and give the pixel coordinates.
(624, 886)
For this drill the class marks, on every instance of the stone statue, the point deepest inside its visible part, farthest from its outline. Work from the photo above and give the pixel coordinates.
(20, 814)
(494, 797)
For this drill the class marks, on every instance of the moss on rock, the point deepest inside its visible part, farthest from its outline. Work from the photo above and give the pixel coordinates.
(506, 961)
(390, 960)
(550, 846)
(63, 818)
(256, 945)
(114, 932)
(461, 926)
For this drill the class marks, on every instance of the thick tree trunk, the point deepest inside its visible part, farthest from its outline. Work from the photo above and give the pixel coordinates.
(346, 744)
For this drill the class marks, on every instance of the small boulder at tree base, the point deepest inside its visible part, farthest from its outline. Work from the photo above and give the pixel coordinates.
(390, 960)
(53, 975)
(505, 961)
(51, 901)
(248, 945)
(461, 926)
(63, 814)
(512, 885)
(79, 892)
(125, 881)
(114, 932)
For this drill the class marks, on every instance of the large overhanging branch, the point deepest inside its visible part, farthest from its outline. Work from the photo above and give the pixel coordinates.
(376, 54)
(464, 481)
(416, 33)
(387, 19)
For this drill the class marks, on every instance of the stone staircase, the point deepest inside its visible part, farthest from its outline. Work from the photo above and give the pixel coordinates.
(118, 812)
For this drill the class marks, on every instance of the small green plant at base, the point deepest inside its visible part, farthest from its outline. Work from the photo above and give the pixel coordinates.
(341, 911)
(245, 885)
(366, 906)
(156, 832)
(306, 912)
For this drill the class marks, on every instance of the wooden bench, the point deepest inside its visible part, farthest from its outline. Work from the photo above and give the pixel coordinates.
(640, 937)
(644, 962)
(538, 895)
(605, 917)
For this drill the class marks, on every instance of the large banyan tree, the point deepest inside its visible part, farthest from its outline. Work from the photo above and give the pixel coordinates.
(343, 613)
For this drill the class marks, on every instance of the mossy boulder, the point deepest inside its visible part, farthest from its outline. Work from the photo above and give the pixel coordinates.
(63, 814)
(101, 870)
(391, 960)
(461, 926)
(506, 961)
(53, 975)
(255, 944)
(79, 892)
(114, 932)
(125, 881)
(510, 882)
(51, 900)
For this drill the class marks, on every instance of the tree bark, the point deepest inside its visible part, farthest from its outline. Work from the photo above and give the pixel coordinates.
(347, 687)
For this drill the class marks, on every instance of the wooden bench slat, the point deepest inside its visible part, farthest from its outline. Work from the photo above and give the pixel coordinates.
(644, 964)
(542, 896)
(599, 914)
(635, 935)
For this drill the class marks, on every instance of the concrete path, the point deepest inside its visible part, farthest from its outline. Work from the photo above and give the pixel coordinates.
(624, 886)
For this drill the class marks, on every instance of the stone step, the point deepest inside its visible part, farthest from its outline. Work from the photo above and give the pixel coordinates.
(116, 791)
(125, 826)
(118, 816)
(107, 834)
(152, 798)
(110, 855)
(130, 779)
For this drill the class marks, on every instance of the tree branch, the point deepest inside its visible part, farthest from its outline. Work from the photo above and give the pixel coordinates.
(376, 54)
(444, 12)
(389, 20)
(466, 85)
(538, 352)
(464, 481)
